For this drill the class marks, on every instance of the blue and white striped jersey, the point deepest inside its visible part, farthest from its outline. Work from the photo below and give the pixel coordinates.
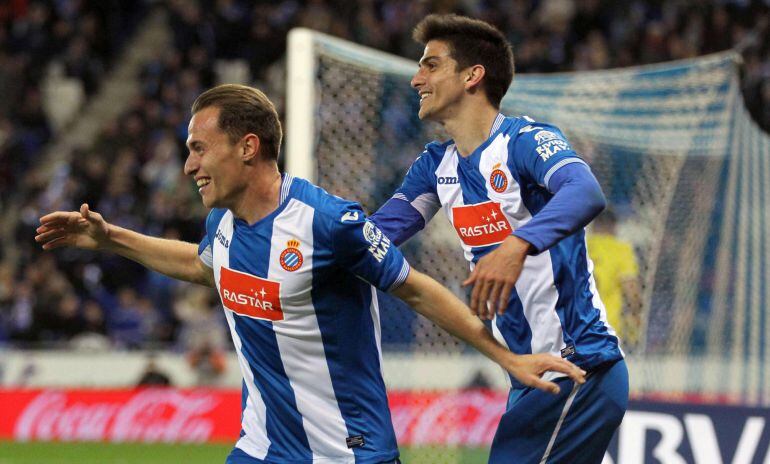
(298, 292)
(491, 194)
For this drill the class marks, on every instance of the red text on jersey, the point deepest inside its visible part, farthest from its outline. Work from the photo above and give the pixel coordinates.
(249, 295)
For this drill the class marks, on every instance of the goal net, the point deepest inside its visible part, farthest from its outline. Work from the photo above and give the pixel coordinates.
(683, 166)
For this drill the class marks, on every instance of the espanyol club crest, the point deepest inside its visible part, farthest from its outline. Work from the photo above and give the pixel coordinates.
(291, 257)
(498, 180)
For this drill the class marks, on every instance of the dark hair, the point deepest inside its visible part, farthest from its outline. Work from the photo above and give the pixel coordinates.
(244, 110)
(471, 42)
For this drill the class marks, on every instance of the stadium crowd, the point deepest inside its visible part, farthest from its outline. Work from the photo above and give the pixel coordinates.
(133, 173)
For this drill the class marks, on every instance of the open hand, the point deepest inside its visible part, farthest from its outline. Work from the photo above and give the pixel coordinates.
(494, 277)
(529, 368)
(81, 229)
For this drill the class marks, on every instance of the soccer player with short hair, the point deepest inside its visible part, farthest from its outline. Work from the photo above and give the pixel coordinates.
(296, 270)
(518, 197)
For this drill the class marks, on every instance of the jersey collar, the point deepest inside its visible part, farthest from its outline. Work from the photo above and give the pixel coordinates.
(286, 181)
(285, 187)
(496, 126)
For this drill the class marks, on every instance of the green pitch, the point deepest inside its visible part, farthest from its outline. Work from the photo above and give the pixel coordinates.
(130, 453)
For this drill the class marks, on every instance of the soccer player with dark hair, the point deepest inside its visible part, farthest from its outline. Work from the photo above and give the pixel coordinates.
(296, 270)
(519, 197)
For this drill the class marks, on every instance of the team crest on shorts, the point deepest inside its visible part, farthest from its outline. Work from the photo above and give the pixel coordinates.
(291, 258)
(498, 180)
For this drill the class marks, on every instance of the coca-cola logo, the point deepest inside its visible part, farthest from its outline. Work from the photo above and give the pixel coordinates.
(148, 415)
(464, 418)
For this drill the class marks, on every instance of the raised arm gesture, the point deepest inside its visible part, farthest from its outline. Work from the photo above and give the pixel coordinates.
(88, 230)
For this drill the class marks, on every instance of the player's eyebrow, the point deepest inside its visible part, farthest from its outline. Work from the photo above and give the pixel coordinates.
(427, 59)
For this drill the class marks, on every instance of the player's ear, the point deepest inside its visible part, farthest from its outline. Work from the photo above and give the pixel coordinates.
(250, 147)
(473, 76)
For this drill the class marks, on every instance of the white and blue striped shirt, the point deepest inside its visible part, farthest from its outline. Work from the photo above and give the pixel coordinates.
(298, 290)
(496, 191)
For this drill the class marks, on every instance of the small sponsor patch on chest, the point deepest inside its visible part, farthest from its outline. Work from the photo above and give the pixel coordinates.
(249, 295)
(481, 224)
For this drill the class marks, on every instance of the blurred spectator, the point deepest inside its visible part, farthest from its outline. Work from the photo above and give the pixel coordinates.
(78, 63)
(617, 277)
(134, 322)
(209, 364)
(65, 321)
(6, 299)
(126, 321)
(93, 333)
(202, 334)
(36, 35)
(21, 314)
(153, 376)
(480, 380)
(93, 318)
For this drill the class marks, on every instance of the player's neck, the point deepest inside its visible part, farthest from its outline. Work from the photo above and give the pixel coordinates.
(470, 126)
(261, 196)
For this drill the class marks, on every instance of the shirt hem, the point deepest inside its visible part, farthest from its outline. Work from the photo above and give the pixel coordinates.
(376, 458)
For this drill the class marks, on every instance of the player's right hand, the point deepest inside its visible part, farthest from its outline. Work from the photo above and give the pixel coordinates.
(529, 369)
(494, 277)
(81, 229)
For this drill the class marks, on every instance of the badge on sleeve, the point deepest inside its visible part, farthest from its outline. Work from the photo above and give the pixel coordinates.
(378, 242)
(549, 143)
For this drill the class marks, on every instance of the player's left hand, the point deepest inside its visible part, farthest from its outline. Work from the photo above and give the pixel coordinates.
(495, 276)
(529, 368)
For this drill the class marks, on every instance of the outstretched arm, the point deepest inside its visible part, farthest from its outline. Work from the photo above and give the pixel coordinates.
(88, 230)
(439, 305)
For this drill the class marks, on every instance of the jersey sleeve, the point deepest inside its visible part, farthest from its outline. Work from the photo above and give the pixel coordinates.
(577, 199)
(539, 151)
(412, 206)
(361, 247)
(205, 251)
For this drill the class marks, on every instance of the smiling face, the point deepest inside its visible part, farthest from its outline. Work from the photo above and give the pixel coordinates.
(439, 82)
(214, 161)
